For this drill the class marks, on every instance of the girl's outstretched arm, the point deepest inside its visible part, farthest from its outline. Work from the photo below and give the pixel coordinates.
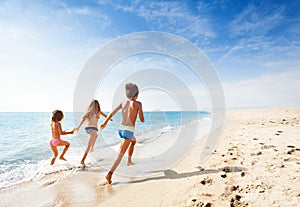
(79, 125)
(69, 132)
(61, 132)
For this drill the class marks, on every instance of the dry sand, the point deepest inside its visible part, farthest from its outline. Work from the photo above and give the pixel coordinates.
(256, 163)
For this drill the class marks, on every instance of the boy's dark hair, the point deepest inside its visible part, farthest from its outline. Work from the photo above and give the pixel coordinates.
(57, 115)
(131, 90)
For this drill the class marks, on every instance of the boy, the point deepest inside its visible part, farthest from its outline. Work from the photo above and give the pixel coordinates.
(130, 109)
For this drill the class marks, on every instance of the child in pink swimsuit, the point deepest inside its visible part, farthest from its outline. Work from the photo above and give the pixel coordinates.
(56, 131)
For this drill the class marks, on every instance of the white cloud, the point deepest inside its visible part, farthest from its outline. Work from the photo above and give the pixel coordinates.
(256, 20)
(252, 38)
(274, 89)
(171, 17)
(261, 49)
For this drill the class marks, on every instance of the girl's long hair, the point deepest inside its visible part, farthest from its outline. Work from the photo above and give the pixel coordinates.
(92, 110)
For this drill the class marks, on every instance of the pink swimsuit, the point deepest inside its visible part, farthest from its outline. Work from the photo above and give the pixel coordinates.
(55, 141)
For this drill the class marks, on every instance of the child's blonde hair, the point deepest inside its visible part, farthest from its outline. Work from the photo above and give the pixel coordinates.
(131, 90)
(92, 110)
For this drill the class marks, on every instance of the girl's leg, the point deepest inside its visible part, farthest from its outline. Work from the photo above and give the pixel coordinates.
(123, 148)
(83, 158)
(130, 151)
(55, 153)
(92, 139)
(67, 145)
(93, 144)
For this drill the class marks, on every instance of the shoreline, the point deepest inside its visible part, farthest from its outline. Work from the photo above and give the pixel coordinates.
(256, 162)
(101, 155)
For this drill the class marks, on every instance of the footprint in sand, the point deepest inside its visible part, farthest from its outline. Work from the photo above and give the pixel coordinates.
(236, 201)
(195, 202)
(49, 183)
(291, 151)
(224, 175)
(268, 146)
(255, 154)
(206, 180)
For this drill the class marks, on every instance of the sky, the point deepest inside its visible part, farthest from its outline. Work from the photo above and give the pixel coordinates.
(254, 47)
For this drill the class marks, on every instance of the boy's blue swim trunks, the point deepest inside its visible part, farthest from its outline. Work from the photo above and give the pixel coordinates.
(126, 132)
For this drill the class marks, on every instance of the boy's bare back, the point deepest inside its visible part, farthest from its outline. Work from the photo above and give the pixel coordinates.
(130, 110)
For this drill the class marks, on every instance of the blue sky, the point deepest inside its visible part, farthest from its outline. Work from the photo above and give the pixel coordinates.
(254, 46)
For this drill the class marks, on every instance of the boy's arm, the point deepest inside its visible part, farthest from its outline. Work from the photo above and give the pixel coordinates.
(103, 114)
(141, 114)
(103, 125)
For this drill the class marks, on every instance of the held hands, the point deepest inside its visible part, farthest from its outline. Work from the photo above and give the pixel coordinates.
(73, 130)
(102, 126)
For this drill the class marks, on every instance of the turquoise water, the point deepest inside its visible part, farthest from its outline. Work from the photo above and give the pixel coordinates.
(24, 140)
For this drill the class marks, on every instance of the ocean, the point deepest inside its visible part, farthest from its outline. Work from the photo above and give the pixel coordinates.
(24, 140)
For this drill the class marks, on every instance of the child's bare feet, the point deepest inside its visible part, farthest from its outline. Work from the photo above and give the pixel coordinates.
(130, 163)
(83, 164)
(52, 161)
(62, 158)
(108, 177)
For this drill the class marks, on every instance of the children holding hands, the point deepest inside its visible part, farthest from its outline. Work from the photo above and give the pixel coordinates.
(131, 108)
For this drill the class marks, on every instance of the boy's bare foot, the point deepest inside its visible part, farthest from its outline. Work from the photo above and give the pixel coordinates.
(52, 161)
(62, 158)
(130, 163)
(108, 178)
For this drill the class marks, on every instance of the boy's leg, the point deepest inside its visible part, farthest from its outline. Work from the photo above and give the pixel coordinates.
(55, 152)
(123, 148)
(67, 145)
(130, 151)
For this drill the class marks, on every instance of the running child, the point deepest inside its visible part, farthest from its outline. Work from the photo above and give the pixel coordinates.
(130, 109)
(91, 117)
(57, 131)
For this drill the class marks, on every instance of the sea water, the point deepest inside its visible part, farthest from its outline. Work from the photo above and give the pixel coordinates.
(24, 140)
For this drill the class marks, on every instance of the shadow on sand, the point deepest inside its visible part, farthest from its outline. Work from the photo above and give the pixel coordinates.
(171, 174)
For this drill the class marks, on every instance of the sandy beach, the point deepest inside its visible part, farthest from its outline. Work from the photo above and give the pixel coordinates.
(256, 163)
